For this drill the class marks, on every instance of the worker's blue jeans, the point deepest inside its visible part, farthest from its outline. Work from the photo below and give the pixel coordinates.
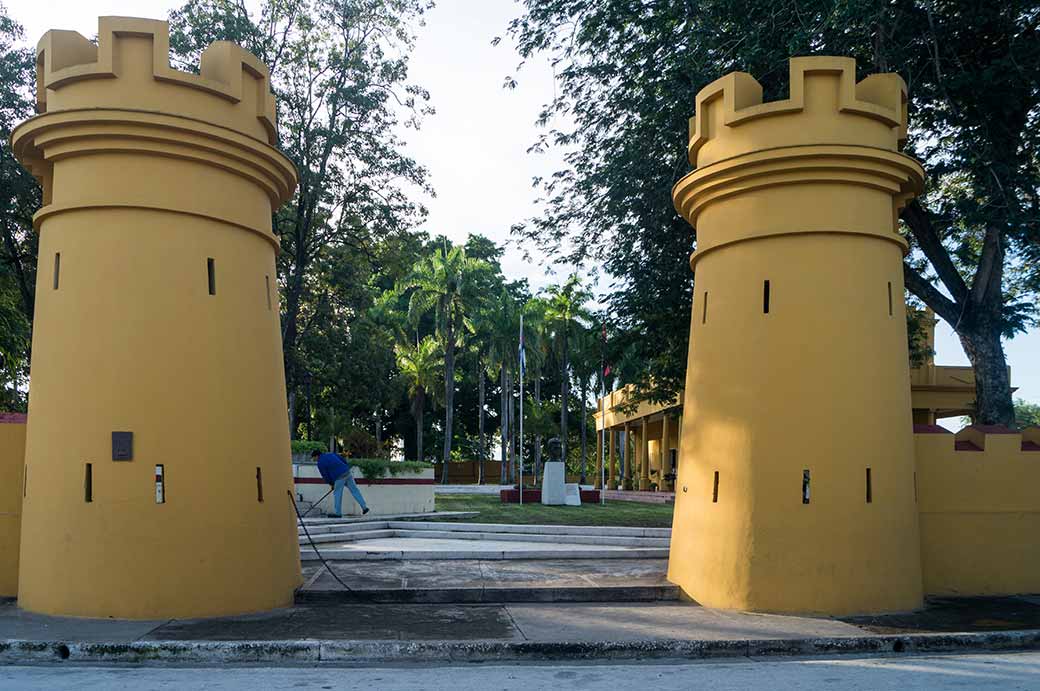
(347, 479)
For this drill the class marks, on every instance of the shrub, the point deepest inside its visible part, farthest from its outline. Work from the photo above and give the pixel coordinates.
(375, 468)
(307, 446)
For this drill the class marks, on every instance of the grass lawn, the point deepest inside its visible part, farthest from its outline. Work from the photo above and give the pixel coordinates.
(617, 513)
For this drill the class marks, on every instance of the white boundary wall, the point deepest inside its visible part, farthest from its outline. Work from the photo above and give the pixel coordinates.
(409, 492)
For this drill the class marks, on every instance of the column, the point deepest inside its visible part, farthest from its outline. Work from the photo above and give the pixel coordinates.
(644, 457)
(666, 456)
(611, 468)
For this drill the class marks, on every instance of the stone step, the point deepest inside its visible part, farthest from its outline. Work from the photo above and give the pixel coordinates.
(371, 518)
(358, 554)
(605, 540)
(357, 535)
(344, 529)
(610, 531)
(504, 594)
(354, 536)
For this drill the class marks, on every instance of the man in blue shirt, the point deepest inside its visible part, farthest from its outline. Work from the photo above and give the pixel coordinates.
(335, 471)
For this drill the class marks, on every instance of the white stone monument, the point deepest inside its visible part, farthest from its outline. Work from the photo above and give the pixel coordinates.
(554, 491)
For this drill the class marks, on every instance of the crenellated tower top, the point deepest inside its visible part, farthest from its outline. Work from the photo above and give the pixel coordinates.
(826, 159)
(232, 88)
(826, 106)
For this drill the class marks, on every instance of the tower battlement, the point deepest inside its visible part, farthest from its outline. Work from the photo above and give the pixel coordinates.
(74, 73)
(731, 119)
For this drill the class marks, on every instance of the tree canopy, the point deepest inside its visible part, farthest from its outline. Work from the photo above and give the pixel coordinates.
(628, 73)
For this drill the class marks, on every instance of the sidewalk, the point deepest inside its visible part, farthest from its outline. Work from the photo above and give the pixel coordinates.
(360, 633)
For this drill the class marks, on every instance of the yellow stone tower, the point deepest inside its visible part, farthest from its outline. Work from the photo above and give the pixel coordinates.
(157, 452)
(790, 498)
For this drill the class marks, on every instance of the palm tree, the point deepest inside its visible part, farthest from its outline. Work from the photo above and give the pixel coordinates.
(439, 283)
(420, 364)
(585, 347)
(565, 314)
(502, 319)
(537, 353)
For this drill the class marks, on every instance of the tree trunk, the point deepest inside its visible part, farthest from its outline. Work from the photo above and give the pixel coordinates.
(504, 429)
(449, 392)
(584, 426)
(538, 437)
(564, 392)
(993, 402)
(419, 405)
(379, 434)
(480, 421)
(292, 414)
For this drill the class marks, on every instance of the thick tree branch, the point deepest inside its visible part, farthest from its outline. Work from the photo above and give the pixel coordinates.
(943, 306)
(917, 219)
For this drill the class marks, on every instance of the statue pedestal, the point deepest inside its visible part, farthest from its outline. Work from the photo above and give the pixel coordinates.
(553, 489)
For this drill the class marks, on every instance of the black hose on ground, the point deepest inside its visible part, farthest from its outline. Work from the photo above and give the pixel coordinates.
(311, 540)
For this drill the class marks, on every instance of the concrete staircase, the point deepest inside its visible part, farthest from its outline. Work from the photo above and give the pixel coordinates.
(399, 539)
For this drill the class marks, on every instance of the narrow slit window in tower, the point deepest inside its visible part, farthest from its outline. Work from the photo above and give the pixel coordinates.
(160, 485)
(57, 268)
(259, 485)
(212, 277)
(25, 481)
(765, 297)
(88, 483)
(715, 489)
(870, 489)
(704, 308)
(890, 298)
(267, 291)
(805, 486)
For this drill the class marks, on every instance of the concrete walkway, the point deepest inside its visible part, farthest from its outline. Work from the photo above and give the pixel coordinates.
(475, 581)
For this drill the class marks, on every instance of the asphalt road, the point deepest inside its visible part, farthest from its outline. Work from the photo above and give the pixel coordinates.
(1007, 672)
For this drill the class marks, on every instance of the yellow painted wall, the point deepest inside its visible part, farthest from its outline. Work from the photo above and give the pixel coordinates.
(163, 171)
(980, 512)
(802, 193)
(12, 459)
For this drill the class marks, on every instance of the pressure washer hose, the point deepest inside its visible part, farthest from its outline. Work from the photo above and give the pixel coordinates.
(311, 540)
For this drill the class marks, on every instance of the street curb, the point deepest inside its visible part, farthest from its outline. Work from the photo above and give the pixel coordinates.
(292, 653)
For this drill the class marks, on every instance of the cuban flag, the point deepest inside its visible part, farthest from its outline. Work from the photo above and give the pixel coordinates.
(521, 356)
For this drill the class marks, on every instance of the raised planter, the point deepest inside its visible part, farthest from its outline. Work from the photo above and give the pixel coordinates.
(406, 492)
(534, 496)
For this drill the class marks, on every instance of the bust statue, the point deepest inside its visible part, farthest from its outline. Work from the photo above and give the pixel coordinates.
(555, 448)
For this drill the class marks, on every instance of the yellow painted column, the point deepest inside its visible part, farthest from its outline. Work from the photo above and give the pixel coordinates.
(644, 457)
(666, 447)
(626, 460)
(157, 444)
(12, 480)
(797, 382)
(611, 466)
(599, 458)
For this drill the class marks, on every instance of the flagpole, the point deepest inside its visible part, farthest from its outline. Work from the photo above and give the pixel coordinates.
(521, 450)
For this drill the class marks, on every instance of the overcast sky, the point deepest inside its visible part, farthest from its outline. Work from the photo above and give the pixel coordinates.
(475, 146)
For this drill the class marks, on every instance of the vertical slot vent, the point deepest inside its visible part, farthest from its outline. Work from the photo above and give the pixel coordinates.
(890, 298)
(870, 489)
(25, 482)
(915, 487)
(765, 297)
(160, 484)
(259, 485)
(704, 308)
(57, 269)
(211, 276)
(88, 483)
(715, 489)
(267, 291)
(805, 486)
